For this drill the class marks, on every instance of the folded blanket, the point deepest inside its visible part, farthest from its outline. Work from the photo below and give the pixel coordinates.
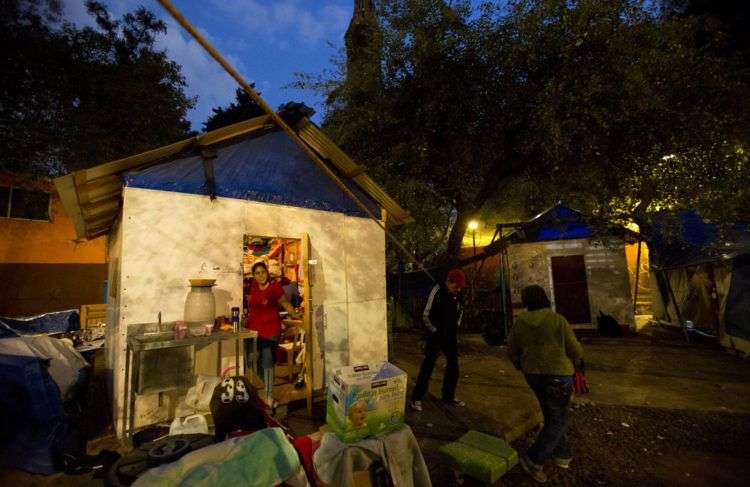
(262, 459)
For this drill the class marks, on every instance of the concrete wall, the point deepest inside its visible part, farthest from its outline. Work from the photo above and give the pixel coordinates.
(606, 273)
(168, 238)
(42, 265)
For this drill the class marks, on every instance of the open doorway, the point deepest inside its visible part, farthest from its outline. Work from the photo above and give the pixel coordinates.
(285, 260)
(570, 288)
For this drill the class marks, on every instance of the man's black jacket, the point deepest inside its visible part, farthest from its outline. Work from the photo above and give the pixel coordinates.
(442, 313)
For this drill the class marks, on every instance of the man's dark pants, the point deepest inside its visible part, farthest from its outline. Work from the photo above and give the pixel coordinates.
(436, 343)
(553, 393)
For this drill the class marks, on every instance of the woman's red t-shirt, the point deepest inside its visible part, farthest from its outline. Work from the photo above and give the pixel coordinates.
(263, 309)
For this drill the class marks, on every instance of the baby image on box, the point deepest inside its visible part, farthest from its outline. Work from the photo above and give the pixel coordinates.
(358, 414)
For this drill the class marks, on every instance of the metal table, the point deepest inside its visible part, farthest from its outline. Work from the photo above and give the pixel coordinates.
(136, 344)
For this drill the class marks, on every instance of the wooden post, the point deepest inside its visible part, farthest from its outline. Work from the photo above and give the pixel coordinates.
(307, 321)
(676, 306)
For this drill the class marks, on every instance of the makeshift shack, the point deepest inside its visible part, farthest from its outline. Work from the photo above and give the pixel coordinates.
(703, 277)
(581, 273)
(190, 209)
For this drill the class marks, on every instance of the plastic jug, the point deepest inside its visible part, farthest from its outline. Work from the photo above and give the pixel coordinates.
(195, 423)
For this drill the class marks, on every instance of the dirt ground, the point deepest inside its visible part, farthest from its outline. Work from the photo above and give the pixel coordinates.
(658, 447)
(661, 412)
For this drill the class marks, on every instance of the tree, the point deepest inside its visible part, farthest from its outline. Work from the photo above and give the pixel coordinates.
(609, 106)
(75, 97)
(243, 108)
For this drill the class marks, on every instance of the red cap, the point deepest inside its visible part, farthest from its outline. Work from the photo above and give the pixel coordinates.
(457, 276)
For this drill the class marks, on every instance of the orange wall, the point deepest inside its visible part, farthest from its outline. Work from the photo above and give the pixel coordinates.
(644, 286)
(42, 242)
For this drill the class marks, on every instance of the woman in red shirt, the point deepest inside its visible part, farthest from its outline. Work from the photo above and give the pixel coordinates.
(263, 303)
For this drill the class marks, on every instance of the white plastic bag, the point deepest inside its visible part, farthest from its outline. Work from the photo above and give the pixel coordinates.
(198, 397)
(193, 424)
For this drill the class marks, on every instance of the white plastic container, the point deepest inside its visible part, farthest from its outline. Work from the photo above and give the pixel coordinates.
(200, 304)
(195, 423)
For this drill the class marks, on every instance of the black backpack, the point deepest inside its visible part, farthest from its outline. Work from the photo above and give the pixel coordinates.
(235, 406)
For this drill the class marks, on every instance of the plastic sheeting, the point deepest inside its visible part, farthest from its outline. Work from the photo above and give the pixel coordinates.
(270, 168)
(558, 223)
(737, 312)
(32, 425)
(684, 238)
(55, 322)
(64, 362)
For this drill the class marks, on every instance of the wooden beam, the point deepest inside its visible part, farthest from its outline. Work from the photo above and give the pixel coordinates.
(66, 188)
(110, 207)
(97, 233)
(207, 158)
(98, 192)
(121, 165)
(355, 172)
(235, 130)
(103, 221)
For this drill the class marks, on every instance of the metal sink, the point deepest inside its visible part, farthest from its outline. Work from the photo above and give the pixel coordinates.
(158, 336)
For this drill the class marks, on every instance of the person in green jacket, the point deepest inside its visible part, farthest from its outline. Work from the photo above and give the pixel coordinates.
(543, 346)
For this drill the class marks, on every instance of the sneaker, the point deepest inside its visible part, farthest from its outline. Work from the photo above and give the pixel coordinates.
(531, 468)
(416, 406)
(454, 402)
(562, 462)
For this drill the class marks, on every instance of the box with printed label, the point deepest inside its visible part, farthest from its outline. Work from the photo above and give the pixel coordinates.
(365, 400)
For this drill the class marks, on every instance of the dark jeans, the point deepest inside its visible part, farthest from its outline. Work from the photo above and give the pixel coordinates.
(553, 393)
(436, 344)
(266, 358)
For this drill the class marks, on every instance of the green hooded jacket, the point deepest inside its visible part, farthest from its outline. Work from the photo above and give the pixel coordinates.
(542, 342)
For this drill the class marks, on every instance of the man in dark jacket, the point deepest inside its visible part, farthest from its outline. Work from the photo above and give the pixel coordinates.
(442, 316)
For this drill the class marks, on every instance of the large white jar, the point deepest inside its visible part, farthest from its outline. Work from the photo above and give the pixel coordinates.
(200, 304)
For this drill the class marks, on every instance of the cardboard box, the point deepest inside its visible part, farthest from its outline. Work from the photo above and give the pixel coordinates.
(365, 400)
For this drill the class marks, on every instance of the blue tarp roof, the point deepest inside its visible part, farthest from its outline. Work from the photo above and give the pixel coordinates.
(684, 238)
(557, 223)
(269, 168)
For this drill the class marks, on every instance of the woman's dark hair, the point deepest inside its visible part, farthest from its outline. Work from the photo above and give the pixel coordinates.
(534, 297)
(258, 264)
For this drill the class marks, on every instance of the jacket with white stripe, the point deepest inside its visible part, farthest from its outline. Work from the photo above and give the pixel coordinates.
(442, 313)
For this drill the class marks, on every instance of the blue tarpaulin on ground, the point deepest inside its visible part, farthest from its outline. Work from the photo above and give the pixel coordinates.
(32, 424)
(269, 168)
(54, 322)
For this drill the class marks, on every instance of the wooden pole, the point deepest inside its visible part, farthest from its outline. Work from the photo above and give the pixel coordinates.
(283, 125)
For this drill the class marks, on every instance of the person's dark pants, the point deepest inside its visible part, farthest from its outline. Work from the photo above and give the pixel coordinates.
(266, 357)
(436, 344)
(553, 393)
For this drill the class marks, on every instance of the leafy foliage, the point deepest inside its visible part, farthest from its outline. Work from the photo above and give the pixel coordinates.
(75, 97)
(243, 108)
(612, 107)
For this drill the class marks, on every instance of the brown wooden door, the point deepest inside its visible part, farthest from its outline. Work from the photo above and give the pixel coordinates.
(570, 288)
